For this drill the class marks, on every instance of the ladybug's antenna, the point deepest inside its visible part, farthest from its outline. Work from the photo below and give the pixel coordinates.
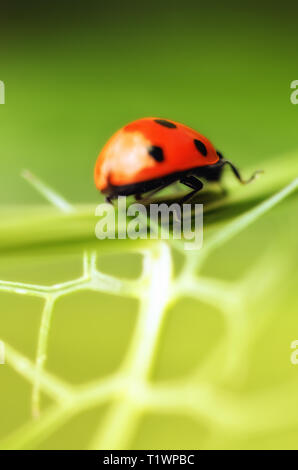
(238, 176)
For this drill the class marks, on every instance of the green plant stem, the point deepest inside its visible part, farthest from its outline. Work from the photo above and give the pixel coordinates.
(41, 353)
(122, 419)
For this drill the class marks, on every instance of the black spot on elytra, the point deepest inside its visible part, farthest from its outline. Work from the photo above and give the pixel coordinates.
(201, 147)
(165, 123)
(220, 155)
(156, 153)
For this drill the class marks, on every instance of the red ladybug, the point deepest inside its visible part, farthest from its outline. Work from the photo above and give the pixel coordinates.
(151, 153)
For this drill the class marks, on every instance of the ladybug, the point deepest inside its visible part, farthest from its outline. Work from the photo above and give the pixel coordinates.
(151, 153)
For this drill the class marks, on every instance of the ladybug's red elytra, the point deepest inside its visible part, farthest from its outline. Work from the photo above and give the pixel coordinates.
(151, 153)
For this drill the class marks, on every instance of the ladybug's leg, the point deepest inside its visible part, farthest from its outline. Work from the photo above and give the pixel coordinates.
(193, 183)
(110, 199)
(151, 193)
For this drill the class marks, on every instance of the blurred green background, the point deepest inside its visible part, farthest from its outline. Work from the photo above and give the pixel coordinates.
(74, 73)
